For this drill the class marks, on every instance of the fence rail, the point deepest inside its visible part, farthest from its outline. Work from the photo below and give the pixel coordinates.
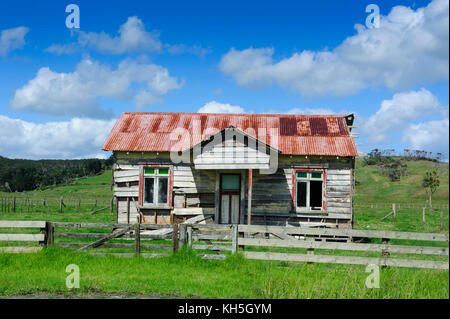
(399, 205)
(212, 241)
(40, 239)
(21, 204)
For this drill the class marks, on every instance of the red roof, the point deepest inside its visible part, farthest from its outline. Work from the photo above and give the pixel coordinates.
(296, 134)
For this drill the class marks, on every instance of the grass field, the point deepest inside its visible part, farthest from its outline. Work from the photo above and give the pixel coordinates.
(374, 188)
(185, 275)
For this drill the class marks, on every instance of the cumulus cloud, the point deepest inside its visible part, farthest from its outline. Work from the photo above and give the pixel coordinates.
(132, 38)
(77, 138)
(409, 47)
(12, 39)
(431, 136)
(397, 113)
(216, 107)
(77, 93)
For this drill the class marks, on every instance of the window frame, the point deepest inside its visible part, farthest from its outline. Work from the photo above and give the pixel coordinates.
(169, 204)
(308, 209)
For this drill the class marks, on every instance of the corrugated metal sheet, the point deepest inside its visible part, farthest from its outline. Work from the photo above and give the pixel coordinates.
(291, 134)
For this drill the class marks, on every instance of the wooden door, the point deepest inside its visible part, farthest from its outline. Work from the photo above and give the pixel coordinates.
(230, 194)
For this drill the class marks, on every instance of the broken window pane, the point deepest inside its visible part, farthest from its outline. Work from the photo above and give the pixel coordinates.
(162, 190)
(149, 189)
(301, 194)
(315, 189)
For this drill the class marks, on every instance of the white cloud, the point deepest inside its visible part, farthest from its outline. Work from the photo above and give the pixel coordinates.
(218, 91)
(77, 93)
(395, 114)
(406, 119)
(183, 48)
(310, 111)
(409, 47)
(430, 136)
(216, 107)
(132, 38)
(12, 39)
(77, 138)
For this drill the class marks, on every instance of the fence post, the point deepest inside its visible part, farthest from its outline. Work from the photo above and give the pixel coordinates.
(111, 205)
(394, 211)
(182, 235)
(235, 238)
(175, 237)
(423, 215)
(137, 239)
(60, 204)
(14, 204)
(49, 234)
(442, 221)
(189, 235)
(385, 252)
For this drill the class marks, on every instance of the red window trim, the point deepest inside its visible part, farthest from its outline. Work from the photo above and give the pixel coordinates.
(324, 186)
(141, 177)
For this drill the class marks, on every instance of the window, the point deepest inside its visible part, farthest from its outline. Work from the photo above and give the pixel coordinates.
(155, 186)
(308, 190)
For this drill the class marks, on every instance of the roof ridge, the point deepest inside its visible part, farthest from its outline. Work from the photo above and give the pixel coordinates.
(239, 114)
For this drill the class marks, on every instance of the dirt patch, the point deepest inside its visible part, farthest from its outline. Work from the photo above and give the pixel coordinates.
(85, 296)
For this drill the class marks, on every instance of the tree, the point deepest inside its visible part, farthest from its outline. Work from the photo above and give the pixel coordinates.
(431, 183)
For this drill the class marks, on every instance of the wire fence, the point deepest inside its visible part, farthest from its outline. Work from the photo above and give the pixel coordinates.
(400, 205)
(20, 204)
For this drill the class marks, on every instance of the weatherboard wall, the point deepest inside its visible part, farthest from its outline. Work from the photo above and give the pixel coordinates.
(194, 191)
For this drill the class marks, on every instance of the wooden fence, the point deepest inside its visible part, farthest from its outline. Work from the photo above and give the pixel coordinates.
(41, 239)
(319, 238)
(399, 205)
(20, 204)
(213, 240)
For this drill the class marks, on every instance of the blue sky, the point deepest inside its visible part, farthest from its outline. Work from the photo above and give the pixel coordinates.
(61, 90)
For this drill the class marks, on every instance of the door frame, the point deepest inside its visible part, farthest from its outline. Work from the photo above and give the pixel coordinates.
(230, 193)
(217, 203)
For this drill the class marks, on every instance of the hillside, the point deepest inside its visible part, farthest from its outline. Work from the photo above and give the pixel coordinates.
(17, 175)
(98, 186)
(372, 187)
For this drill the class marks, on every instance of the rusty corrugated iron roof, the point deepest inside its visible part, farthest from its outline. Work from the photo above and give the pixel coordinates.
(291, 134)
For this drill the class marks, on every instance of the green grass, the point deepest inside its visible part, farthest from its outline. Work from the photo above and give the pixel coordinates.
(184, 275)
(98, 187)
(374, 188)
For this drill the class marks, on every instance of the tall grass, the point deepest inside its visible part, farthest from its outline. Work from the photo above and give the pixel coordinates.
(186, 275)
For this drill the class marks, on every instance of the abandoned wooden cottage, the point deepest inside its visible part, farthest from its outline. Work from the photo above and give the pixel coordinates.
(259, 169)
